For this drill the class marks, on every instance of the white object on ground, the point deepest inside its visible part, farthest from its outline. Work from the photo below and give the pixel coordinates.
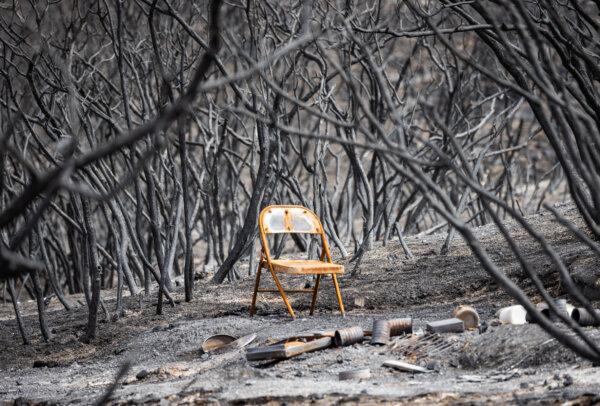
(512, 315)
(404, 366)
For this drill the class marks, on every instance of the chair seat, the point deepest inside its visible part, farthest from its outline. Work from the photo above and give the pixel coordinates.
(305, 266)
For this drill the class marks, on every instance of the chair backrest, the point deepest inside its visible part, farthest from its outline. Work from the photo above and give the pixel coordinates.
(281, 219)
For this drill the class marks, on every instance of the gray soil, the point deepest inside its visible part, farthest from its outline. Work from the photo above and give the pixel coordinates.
(505, 364)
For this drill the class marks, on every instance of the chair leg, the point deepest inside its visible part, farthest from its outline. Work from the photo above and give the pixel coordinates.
(255, 294)
(283, 295)
(338, 293)
(314, 297)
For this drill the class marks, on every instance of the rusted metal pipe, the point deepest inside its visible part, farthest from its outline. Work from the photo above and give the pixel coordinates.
(583, 317)
(348, 336)
(561, 305)
(543, 308)
(400, 326)
(381, 332)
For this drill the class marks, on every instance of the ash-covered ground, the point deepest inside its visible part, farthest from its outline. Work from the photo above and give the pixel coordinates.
(505, 364)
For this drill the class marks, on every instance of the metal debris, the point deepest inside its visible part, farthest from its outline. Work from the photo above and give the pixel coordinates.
(400, 326)
(225, 341)
(242, 341)
(405, 366)
(287, 350)
(468, 315)
(348, 336)
(562, 305)
(216, 342)
(381, 332)
(355, 374)
(584, 318)
(453, 325)
(418, 347)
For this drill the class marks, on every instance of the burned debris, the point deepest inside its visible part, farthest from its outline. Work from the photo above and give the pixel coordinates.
(167, 157)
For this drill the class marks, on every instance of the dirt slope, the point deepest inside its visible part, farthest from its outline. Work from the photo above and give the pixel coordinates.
(504, 364)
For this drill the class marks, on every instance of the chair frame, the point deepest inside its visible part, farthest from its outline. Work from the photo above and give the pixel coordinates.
(266, 262)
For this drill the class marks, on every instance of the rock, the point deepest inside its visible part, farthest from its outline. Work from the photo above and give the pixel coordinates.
(142, 374)
(129, 380)
(43, 363)
(434, 365)
(354, 374)
(553, 385)
(483, 327)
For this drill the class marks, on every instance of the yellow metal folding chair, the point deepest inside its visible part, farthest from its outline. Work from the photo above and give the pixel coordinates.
(282, 219)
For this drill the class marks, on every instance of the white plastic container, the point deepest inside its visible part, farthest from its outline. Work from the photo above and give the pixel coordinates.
(512, 315)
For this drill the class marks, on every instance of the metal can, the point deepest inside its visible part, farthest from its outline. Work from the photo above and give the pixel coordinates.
(541, 307)
(584, 318)
(400, 326)
(348, 336)
(561, 307)
(381, 332)
(468, 315)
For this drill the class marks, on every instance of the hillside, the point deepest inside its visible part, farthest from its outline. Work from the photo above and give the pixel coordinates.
(505, 363)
